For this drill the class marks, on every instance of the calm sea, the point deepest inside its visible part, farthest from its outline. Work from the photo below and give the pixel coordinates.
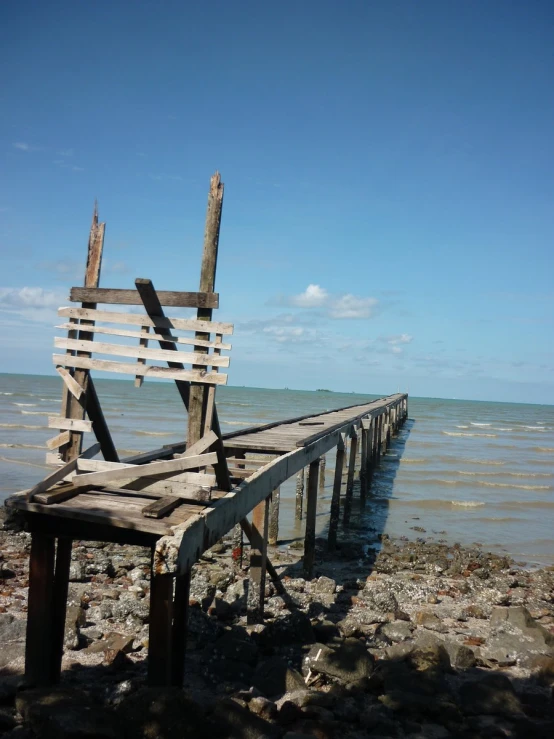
(463, 471)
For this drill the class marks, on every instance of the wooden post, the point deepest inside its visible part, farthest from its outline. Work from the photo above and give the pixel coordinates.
(322, 472)
(59, 605)
(335, 500)
(179, 628)
(274, 517)
(73, 407)
(351, 470)
(99, 425)
(160, 630)
(369, 456)
(38, 650)
(311, 511)
(299, 495)
(198, 393)
(363, 459)
(380, 439)
(258, 555)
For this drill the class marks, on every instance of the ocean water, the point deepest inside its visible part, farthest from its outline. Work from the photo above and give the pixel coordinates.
(464, 471)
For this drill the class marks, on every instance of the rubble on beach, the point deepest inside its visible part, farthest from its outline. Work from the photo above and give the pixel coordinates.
(400, 639)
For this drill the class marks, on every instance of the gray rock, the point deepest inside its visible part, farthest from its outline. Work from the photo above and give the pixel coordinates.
(516, 637)
(432, 656)
(397, 630)
(275, 677)
(62, 713)
(163, 713)
(74, 618)
(12, 629)
(492, 694)
(294, 628)
(348, 662)
(375, 606)
(324, 585)
(77, 572)
(235, 645)
(237, 721)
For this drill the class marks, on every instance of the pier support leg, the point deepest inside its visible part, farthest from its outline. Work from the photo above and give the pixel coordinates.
(350, 478)
(258, 563)
(299, 495)
(322, 464)
(160, 630)
(38, 651)
(363, 460)
(59, 605)
(311, 510)
(335, 500)
(274, 517)
(179, 628)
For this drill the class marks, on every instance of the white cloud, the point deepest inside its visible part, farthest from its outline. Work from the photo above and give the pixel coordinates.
(282, 334)
(313, 296)
(398, 339)
(22, 146)
(31, 303)
(350, 306)
(66, 153)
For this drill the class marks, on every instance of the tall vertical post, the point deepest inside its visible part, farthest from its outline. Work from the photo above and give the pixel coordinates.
(299, 502)
(363, 458)
(198, 393)
(351, 470)
(311, 511)
(179, 628)
(335, 500)
(322, 472)
(160, 630)
(38, 651)
(258, 563)
(274, 517)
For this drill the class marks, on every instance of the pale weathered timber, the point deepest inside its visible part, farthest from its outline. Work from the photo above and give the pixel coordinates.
(299, 502)
(143, 342)
(57, 441)
(60, 473)
(73, 407)
(151, 470)
(145, 333)
(169, 298)
(351, 472)
(126, 368)
(72, 385)
(273, 528)
(322, 464)
(140, 352)
(198, 395)
(160, 507)
(184, 324)
(69, 424)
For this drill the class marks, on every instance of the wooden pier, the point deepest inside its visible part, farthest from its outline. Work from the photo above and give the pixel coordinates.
(180, 499)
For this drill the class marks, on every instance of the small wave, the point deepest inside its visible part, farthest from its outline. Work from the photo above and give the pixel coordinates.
(534, 428)
(507, 474)
(23, 462)
(20, 426)
(413, 461)
(474, 423)
(237, 423)
(152, 433)
(6, 393)
(467, 503)
(22, 446)
(546, 449)
(501, 428)
(462, 427)
(495, 462)
(36, 413)
(25, 404)
(456, 433)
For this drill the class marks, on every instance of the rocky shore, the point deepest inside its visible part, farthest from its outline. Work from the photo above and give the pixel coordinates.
(399, 639)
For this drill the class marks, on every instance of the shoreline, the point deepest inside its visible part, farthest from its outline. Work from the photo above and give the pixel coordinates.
(418, 639)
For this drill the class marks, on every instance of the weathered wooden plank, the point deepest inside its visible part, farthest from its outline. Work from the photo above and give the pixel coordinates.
(69, 424)
(172, 298)
(160, 507)
(143, 334)
(58, 494)
(139, 352)
(59, 440)
(60, 473)
(105, 365)
(273, 528)
(72, 385)
(59, 605)
(54, 458)
(133, 319)
(100, 465)
(146, 470)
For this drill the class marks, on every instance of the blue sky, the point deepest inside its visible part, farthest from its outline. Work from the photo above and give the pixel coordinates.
(389, 172)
